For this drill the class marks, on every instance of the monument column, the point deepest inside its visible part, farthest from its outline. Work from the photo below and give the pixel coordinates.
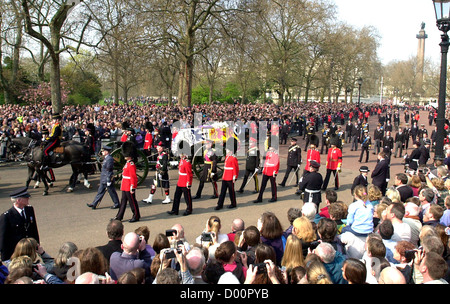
(421, 55)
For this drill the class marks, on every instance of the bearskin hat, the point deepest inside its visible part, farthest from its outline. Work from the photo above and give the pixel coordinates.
(314, 140)
(129, 149)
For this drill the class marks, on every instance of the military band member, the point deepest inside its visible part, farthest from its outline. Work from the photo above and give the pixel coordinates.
(129, 183)
(270, 171)
(229, 177)
(311, 184)
(365, 146)
(325, 138)
(209, 172)
(162, 175)
(334, 163)
(294, 161)
(184, 184)
(252, 164)
(310, 130)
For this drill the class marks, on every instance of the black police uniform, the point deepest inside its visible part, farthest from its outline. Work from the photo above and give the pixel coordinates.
(14, 226)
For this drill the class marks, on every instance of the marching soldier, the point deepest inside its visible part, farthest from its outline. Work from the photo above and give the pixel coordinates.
(230, 174)
(270, 171)
(129, 183)
(399, 142)
(162, 175)
(310, 130)
(252, 164)
(148, 140)
(311, 184)
(365, 146)
(388, 144)
(334, 163)
(184, 184)
(294, 161)
(378, 137)
(209, 171)
(325, 138)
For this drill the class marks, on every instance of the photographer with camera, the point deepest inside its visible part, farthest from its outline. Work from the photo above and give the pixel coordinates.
(134, 255)
(167, 274)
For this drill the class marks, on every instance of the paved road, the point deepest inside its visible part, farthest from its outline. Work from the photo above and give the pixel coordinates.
(65, 217)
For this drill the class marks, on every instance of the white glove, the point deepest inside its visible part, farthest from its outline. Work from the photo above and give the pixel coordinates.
(108, 184)
(212, 174)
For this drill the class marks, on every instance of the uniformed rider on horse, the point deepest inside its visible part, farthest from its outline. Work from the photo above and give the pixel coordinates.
(52, 141)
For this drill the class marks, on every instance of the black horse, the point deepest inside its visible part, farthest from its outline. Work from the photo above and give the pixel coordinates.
(74, 153)
(18, 148)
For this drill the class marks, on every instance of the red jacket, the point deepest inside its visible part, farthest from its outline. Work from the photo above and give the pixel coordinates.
(148, 141)
(272, 164)
(312, 155)
(231, 168)
(334, 158)
(124, 137)
(129, 177)
(184, 173)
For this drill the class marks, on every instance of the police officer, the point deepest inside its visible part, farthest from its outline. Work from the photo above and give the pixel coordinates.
(294, 161)
(17, 223)
(252, 164)
(209, 171)
(311, 184)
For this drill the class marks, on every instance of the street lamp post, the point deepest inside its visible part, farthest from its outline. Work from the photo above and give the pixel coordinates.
(442, 10)
(360, 81)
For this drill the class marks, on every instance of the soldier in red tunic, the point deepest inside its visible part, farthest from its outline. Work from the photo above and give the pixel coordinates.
(230, 174)
(129, 183)
(270, 171)
(148, 140)
(183, 186)
(334, 163)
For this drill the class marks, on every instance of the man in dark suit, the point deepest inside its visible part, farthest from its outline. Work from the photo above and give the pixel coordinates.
(106, 181)
(381, 172)
(401, 184)
(361, 179)
(114, 230)
(17, 223)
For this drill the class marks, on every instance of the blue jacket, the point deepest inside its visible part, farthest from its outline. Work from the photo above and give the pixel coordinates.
(107, 173)
(334, 269)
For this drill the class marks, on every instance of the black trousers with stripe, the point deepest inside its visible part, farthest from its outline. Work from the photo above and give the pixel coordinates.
(177, 198)
(128, 197)
(227, 185)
